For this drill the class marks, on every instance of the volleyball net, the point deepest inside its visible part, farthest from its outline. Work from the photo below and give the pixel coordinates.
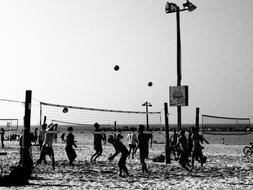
(216, 125)
(66, 115)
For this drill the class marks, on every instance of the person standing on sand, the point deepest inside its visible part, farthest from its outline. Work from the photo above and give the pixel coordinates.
(132, 142)
(55, 136)
(98, 137)
(143, 146)
(173, 142)
(151, 137)
(197, 153)
(119, 148)
(47, 147)
(63, 137)
(35, 136)
(70, 142)
(42, 134)
(41, 138)
(2, 137)
(189, 142)
(182, 142)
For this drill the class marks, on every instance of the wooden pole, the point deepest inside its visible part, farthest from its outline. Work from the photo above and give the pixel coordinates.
(40, 114)
(45, 120)
(179, 66)
(26, 159)
(147, 115)
(167, 145)
(197, 119)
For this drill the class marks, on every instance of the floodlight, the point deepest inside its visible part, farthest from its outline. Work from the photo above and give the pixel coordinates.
(190, 7)
(170, 7)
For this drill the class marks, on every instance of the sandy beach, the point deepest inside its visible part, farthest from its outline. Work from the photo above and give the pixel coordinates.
(226, 168)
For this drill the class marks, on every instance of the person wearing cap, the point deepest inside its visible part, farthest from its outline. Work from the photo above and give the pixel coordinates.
(70, 142)
(98, 138)
(119, 148)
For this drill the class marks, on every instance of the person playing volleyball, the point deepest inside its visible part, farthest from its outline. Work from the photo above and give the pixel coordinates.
(47, 147)
(98, 138)
(119, 148)
(70, 142)
(132, 142)
(143, 146)
(197, 153)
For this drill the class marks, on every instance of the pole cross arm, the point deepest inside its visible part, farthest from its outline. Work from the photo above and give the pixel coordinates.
(172, 7)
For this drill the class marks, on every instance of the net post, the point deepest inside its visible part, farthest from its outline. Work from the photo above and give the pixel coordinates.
(45, 120)
(167, 146)
(197, 119)
(40, 114)
(26, 159)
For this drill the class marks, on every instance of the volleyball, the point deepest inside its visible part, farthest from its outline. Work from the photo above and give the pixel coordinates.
(65, 110)
(116, 67)
(150, 84)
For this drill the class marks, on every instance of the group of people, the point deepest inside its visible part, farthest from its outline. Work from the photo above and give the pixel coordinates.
(140, 141)
(188, 149)
(185, 149)
(45, 139)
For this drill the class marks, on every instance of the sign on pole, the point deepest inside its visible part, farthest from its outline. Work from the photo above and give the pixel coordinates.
(178, 95)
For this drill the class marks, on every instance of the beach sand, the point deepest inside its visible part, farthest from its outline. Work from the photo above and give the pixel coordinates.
(226, 168)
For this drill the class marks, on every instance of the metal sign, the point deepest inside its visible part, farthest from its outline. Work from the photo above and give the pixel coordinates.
(178, 95)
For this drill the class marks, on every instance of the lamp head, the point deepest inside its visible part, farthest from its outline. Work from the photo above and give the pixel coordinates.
(188, 5)
(170, 7)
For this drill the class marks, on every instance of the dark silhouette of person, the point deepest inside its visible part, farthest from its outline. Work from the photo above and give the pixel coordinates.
(132, 141)
(150, 133)
(56, 128)
(35, 136)
(41, 138)
(143, 146)
(197, 153)
(47, 147)
(182, 142)
(63, 137)
(173, 142)
(189, 142)
(70, 142)
(104, 137)
(98, 137)
(2, 137)
(119, 148)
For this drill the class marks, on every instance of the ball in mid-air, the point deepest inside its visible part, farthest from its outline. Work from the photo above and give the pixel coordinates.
(65, 110)
(150, 84)
(116, 67)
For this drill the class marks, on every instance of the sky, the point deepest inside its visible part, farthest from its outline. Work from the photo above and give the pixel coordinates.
(65, 51)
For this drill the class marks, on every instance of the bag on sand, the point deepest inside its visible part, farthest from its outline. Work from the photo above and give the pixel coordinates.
(159, 158)
(18, 176)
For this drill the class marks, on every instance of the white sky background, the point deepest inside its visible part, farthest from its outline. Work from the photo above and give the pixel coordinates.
(65, 51)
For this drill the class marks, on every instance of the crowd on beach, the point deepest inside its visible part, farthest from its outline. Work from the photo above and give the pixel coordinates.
(185, 150)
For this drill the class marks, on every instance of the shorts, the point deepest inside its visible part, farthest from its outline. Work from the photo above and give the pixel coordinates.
(98, 148)
(132, 146)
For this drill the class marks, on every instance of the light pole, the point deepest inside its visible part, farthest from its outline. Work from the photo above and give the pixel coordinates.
(173, 8)
(147, 104)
